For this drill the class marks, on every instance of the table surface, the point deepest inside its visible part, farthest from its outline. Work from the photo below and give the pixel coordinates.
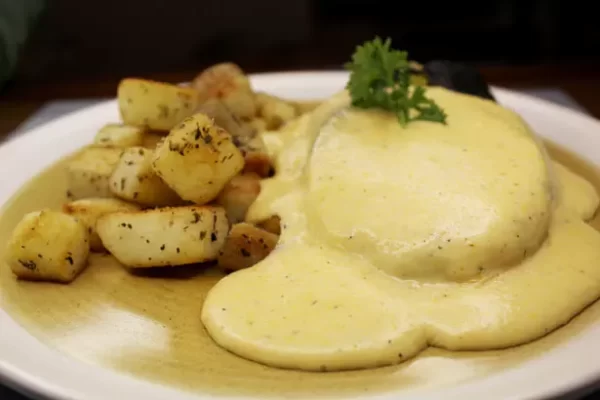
(27, 106)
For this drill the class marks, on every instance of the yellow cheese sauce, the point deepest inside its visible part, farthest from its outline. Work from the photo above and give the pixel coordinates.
(395, 238)
(149, 325)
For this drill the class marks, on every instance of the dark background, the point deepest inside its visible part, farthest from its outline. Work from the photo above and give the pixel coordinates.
(77, 38)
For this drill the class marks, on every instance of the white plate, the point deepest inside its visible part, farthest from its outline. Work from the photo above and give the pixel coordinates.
(35, 368)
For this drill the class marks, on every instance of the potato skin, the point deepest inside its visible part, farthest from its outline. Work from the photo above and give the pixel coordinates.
(237, 196)
(49, 246)
(88, 172)
(154, 105)
(89, 210)
(134, 180)
(245, 246)
(197, 159)
(119, 135)
(164, 236)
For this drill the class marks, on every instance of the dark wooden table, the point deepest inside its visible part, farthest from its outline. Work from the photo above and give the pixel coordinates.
(19, 101)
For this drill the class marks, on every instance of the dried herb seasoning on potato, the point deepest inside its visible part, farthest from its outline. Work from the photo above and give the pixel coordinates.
(164, 236)
(48, 245)
(197, 159)
(134, 180)
(89, 171)
(155, 105)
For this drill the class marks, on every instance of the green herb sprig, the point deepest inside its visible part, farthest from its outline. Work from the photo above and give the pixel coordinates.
(380, 78)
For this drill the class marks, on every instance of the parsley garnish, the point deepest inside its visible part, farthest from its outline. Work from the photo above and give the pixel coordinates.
(380, 78)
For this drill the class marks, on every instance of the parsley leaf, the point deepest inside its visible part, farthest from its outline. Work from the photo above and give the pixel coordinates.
(380, 78)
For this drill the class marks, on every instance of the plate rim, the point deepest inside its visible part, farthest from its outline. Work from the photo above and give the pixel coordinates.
(17, 378)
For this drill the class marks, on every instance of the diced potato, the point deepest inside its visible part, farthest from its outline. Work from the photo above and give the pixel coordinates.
(155, 105)
(277, 112)
(88, 171)
(89, 210)
(245, 246)
(227, 82)
(152, 139)
(214, 108)
(257, 162)
(164, 236)
(263, 98)
(197, 159)
(48, 246)
(134, 180)
(258, 124)
(118, 135)
(237, 196)
(272, 224)
(305, 106)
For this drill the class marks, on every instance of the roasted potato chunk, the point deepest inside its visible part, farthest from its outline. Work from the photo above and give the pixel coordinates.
(277, 113)
(258, 124)
(257, 162)
(88, 211)
(228, 83)
(245, 246)
(197, 159)
(152, 139)
(88, 171)
(272, 224)
(119, 135)
(304, 106)
(48, 246)
(237, 196)
(134, 180)
(155, 105)
(164, 236)
(242, 133)
(274, 111)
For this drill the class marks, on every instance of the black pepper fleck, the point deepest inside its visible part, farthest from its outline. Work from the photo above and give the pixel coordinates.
(197, 218)
(29, 264)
